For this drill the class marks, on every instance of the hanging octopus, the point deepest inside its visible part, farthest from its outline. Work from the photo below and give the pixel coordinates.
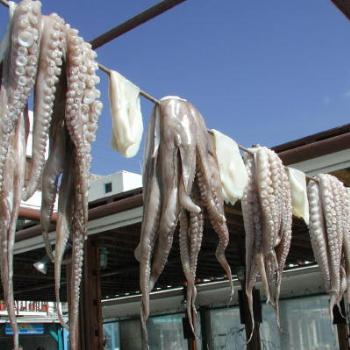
(180, 180)
(44, 53)
(329, 231)
(267, 214)
(18, 71)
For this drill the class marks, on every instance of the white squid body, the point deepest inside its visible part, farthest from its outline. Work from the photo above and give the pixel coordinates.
(233, 173)
(124, 101)
(300, 202)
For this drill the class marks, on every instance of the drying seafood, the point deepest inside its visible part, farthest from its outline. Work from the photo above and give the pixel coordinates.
(267, 213)
(329, 232)
(18, 71)
(46, 54)
(180, 178)
(49, 69)
(125, 108)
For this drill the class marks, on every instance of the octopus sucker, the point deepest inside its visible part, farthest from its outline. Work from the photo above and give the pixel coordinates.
(181, 181)
(49, 71)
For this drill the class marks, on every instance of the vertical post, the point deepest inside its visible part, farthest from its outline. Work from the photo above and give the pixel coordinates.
(205, 327)
(343, 336)
(91, 328)
(254, 343)
(342, 326)
(69, 277)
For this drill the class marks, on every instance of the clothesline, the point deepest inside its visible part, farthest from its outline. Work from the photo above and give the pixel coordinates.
(151, 98)
(104, 68)
(142, 93)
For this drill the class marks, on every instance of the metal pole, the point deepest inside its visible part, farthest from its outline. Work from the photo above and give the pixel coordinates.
(134, 22)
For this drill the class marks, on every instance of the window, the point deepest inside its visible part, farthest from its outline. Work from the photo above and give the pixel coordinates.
(305, 324)
(227, 330)
(111, 334)
(108, 187)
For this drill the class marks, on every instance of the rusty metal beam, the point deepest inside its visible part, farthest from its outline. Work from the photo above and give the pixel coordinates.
(343, 6)
(134, 22)
(33, 214)
(94, 213)
(315, 149)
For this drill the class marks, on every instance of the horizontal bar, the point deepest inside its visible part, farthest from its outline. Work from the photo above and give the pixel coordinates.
(134, 22)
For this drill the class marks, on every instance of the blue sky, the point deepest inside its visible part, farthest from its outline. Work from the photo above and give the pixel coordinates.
(262, 72)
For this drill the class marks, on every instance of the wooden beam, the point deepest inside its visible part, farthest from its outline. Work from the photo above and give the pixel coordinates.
(91, 329)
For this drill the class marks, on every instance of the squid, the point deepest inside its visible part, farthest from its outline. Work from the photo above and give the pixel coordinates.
(181, 180)
(267, 214)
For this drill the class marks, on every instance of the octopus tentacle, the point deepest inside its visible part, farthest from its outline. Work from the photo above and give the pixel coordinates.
(77, 266)
(214, 208)
(9, 207)
(19, 70)
(81, 115)
(337, 188)
(345, 199)
(63, 219)
(317, 231)
(53, 169)
(167, 225)
(253, 235)
(54, 165)
(148, 234)
(150, 221)
(50, 62)
(195, 237)
(191, 233)
(268, 210)
(332, 238)
(185, 262)
(283, 247)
